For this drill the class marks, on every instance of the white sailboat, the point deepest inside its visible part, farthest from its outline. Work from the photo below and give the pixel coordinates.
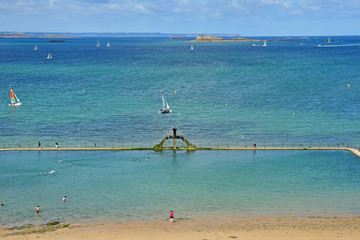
(166, 107)
(264, 45)
(14, 100)
(192, 48)
(98, 44)
(35, 48)
(49, 57)
(108, 45)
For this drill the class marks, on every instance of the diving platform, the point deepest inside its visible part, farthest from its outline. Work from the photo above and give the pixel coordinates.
(189, 146)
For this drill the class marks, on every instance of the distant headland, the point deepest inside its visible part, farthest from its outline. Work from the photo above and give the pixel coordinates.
(14, 35)
(23, 35)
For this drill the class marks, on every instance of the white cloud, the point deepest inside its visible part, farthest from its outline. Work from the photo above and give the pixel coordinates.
(187, 9)
(216, 15)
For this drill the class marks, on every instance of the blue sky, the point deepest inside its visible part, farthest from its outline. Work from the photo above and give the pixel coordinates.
(245, 17)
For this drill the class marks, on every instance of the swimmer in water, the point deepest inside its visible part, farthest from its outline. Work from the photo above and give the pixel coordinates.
(37, 209)
(2, 203)
(64, 198)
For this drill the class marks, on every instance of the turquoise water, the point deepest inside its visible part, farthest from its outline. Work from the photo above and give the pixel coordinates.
(226, 93)
(140, 186)
(230, 94)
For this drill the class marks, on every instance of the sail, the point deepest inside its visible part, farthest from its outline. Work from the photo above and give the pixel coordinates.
(329, 40)
(49, 56)
(165, 103)
(14, 100)
(98, 44)
(108, 44)
(12, 97)
(35, 48)
(17, 99)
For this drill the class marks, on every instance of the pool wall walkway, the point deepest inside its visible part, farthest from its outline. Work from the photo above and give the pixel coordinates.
(352, 150)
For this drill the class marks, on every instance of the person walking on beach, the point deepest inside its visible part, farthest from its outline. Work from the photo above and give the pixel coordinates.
(37, 209)
(171, 216)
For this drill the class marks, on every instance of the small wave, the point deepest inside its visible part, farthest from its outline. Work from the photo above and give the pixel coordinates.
(48, 172)
(343, 45)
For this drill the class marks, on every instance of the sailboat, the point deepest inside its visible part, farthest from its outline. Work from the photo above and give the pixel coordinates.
(192, 48)
(108, 45)
(98, 44)
(35, 48)
(329, 40)
(14, 100)
(166, 107)
(49, 57)
(264, 45)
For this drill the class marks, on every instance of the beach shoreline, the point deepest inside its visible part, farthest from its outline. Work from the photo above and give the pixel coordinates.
(217, 228)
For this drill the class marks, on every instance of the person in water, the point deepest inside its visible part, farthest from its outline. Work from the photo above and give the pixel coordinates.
(171, 216)
(56, 145)
(64, 198)
(39, 144)
(2, 203)
(37, 209)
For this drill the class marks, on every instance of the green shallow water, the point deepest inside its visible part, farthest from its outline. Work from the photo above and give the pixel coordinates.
(144, 186)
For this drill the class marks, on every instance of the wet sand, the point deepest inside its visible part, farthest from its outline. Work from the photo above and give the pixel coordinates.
(242, 228)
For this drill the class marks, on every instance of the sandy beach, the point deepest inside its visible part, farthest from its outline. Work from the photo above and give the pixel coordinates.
(254, 228)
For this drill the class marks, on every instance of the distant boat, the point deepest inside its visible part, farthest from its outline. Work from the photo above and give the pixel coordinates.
(264, 45)
(329, 40)
(108, 45)
(166, 107)
(14, 100)
(35, 48)
(98, 44)
(49, 57)
(192, 48)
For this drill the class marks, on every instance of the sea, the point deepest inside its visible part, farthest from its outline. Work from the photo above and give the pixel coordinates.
(295, 92)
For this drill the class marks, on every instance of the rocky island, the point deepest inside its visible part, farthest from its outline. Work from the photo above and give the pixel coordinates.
(208, 38)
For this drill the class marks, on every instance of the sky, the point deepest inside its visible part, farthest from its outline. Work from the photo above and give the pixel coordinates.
(244, 17)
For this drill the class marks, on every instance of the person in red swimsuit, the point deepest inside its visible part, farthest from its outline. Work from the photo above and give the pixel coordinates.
(171, 216)
(37, 209)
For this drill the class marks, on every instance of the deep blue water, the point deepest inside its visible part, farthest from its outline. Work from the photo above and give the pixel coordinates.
(226, 93)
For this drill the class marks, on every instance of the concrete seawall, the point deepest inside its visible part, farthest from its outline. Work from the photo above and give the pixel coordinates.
(352, 150)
